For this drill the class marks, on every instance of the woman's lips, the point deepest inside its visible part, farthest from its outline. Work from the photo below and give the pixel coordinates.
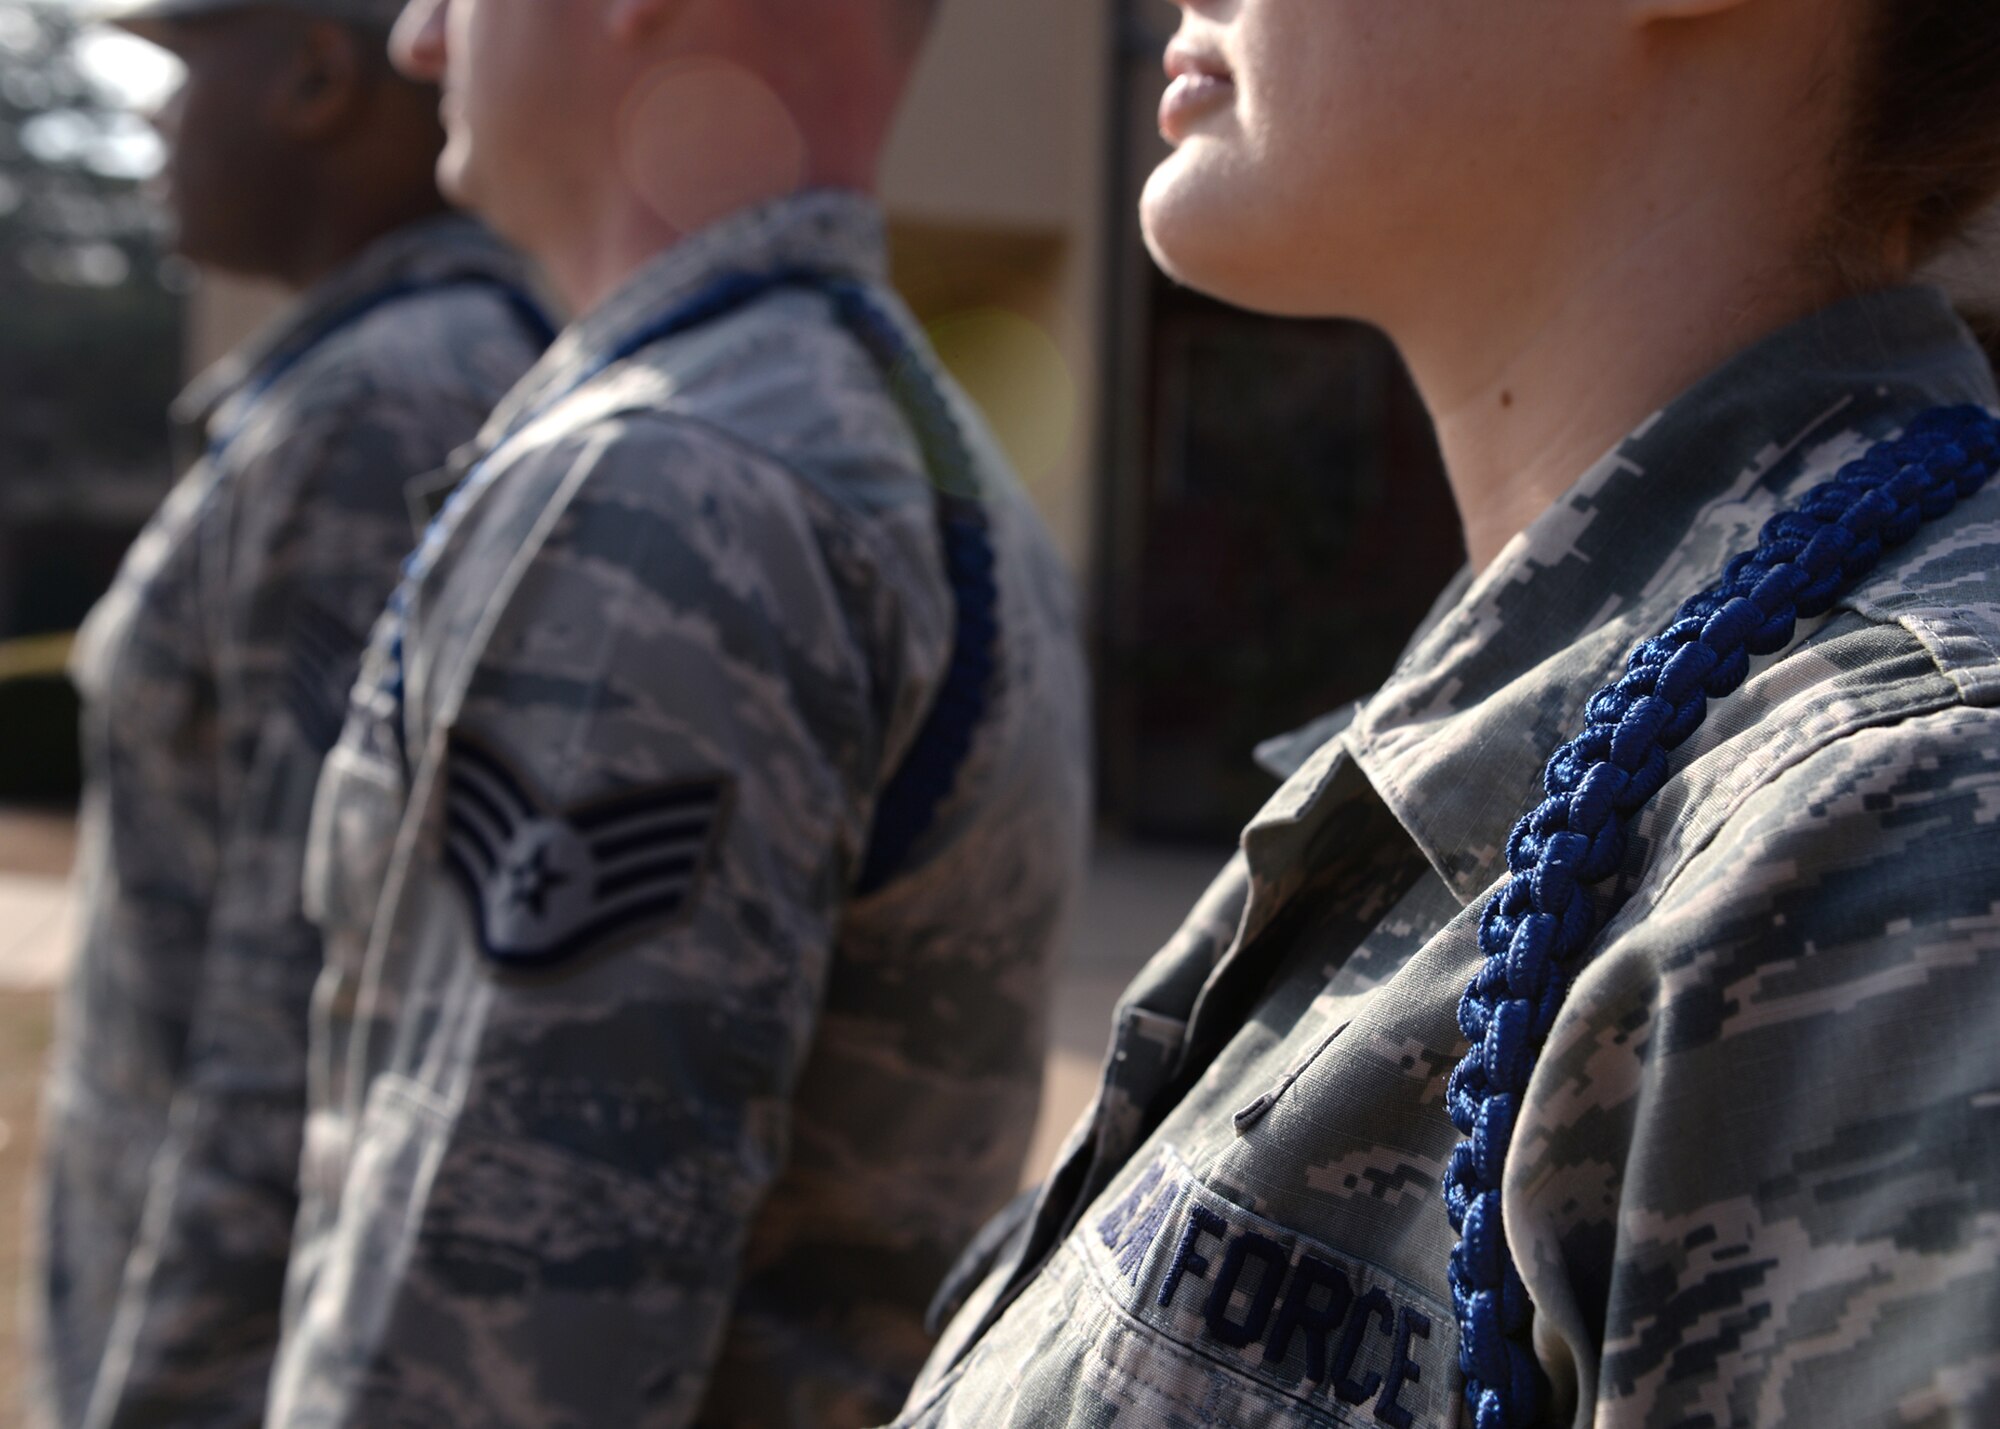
(1201, 85)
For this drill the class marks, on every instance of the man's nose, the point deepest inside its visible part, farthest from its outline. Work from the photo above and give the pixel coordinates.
(416, 46)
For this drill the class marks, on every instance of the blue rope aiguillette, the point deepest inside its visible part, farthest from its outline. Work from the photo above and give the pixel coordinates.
(909, 803)
(1537, 931)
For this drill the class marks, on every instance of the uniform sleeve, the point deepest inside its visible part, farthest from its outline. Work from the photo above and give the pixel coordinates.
(296, 563)
(1758, 1176)
(655, 798)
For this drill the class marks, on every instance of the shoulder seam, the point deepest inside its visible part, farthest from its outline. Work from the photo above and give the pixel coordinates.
(681, 423)
(1656, 885)
(1963, 651)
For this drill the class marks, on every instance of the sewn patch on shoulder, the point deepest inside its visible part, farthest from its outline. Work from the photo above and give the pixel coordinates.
(1336, 1333)
(545, 885)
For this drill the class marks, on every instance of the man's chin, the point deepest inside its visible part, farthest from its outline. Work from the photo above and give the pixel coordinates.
(455, 176)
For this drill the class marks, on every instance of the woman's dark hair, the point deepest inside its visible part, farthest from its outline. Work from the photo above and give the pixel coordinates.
(1924, 150)
(1985, 325)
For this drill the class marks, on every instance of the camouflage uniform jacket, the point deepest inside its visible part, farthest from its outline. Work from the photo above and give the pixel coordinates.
(215, 674)
(1756, 1178)
(626, 1109)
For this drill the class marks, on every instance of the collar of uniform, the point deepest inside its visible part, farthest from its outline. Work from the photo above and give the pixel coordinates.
(835, 231)
(435, 249)
(1455, 743)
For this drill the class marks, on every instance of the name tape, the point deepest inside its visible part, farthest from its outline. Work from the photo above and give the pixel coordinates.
(1331, 1331)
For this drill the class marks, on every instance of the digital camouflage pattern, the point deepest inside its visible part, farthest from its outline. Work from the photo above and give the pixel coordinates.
(625, 1112)
(1756, 1178)
(215, 676)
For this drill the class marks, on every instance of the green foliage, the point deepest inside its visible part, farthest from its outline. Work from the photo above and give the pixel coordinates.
(65, 145)
(90, 344)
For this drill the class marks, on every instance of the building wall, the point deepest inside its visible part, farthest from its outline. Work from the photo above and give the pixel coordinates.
(997, 181)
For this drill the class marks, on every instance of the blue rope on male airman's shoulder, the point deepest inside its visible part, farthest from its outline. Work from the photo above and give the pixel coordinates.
(1537, 931)
(909, 803)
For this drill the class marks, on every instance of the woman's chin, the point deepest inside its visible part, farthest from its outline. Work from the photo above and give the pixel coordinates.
(1187, 225)
(1204, 241)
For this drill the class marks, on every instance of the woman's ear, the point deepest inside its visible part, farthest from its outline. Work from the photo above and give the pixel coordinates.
(321, 82)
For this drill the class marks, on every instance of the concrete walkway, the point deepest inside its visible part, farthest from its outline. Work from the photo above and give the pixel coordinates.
(37, 926)
(37, 929)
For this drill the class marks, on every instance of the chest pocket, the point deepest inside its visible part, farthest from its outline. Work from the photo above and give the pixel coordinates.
(99, 666)
(1179, 1308)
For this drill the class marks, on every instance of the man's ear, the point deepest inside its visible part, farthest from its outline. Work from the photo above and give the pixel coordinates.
(322, 81)
(630, 20)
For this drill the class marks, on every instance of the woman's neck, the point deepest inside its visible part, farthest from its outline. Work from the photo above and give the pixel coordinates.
(1554, 330)
(1559, 367)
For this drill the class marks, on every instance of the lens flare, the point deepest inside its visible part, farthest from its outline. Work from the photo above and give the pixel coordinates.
(1015, 372)
(700, 139)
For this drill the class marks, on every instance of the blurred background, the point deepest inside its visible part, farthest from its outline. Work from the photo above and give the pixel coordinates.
(93, 343)
(1012, 192)
(1209, 474)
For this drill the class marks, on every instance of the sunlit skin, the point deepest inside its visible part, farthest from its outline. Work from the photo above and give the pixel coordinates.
(289, 144)
(1562, 211)
(598, 133)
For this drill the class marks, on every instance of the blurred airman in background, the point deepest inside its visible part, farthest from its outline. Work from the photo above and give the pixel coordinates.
(215, 676)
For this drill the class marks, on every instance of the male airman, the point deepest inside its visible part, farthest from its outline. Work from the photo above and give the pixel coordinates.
(215, 677)
(692, 864)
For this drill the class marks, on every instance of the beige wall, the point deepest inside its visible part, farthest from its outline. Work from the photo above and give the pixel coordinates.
(998, 174)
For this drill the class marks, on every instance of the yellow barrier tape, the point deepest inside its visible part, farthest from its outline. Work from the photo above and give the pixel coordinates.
(36, 656)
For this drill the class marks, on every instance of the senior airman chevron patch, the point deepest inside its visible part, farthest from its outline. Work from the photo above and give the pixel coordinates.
(546, 886)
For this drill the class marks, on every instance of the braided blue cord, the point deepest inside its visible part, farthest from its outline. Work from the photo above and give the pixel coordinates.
(910, 801)
(1538, 928)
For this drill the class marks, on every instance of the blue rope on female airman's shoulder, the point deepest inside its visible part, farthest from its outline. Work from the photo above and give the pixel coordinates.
(1537, 930)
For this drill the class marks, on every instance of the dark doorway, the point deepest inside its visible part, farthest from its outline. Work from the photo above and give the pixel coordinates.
(1276, 520)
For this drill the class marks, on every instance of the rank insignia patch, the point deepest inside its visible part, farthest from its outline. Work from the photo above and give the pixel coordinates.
(544, 886)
